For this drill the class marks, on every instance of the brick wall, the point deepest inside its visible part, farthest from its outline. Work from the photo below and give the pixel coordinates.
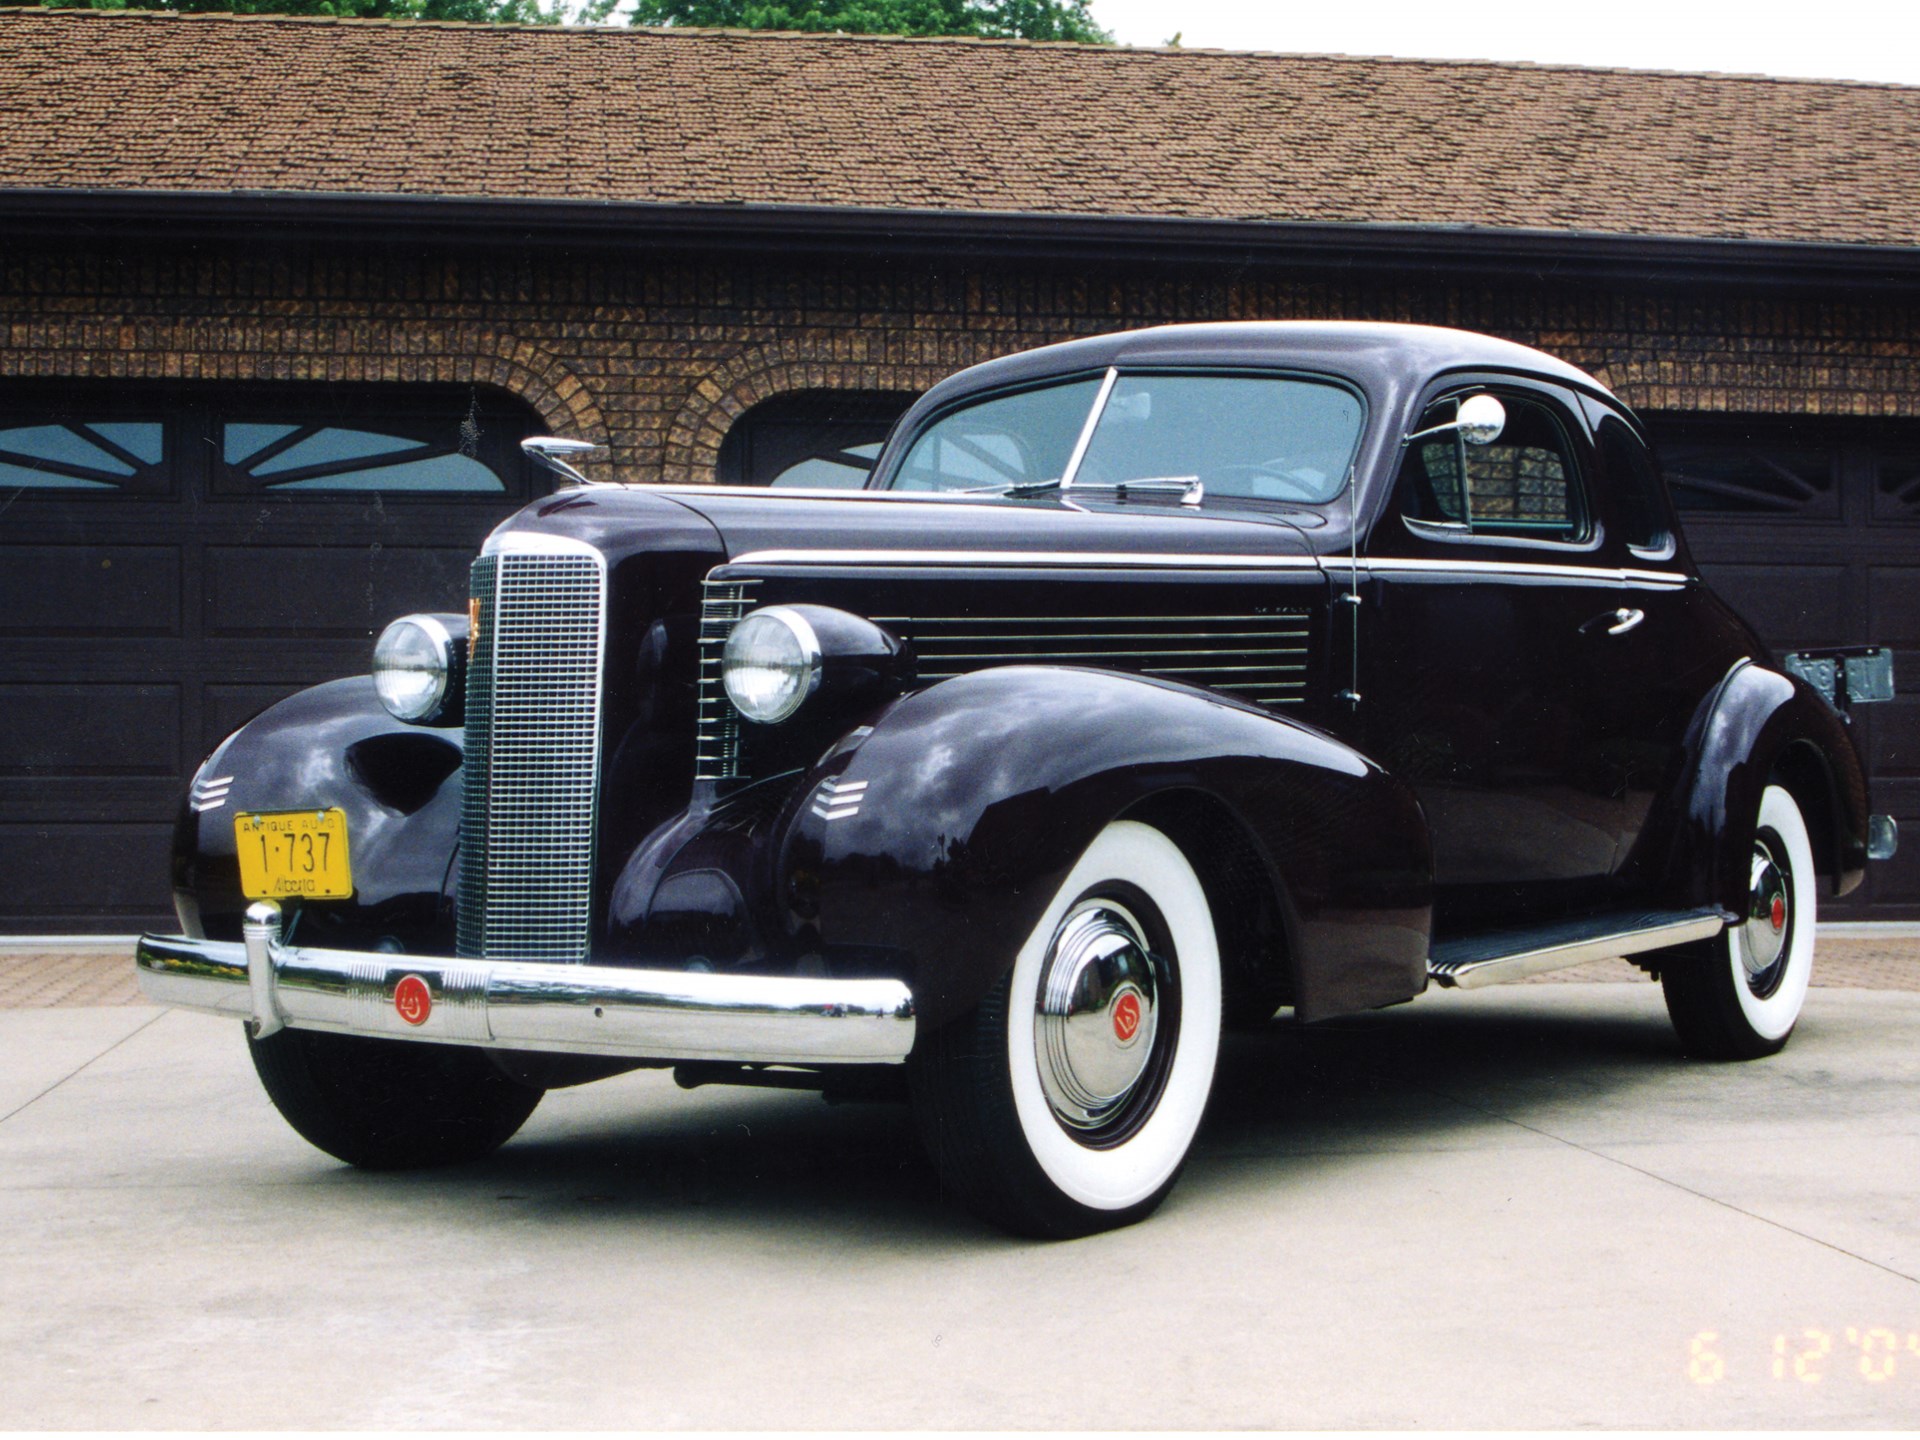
(658, 357)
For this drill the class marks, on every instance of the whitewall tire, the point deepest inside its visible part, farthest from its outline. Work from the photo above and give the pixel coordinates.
(1738, 996)
(1068, 1100)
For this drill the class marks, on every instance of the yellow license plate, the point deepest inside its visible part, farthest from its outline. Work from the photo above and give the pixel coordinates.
(293, 854)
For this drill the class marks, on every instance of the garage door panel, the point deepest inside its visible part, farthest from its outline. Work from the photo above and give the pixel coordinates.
(90, 729)
(100, 875)
(1893, 605)
(282, 590)
(1791, 607)
(90, 590)
(1892, 732)
(73, 799)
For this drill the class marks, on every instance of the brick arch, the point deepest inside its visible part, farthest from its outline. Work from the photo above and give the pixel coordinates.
(311, 348)
(761, 373)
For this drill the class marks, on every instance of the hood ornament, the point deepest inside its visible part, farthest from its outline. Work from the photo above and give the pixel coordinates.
(556, 453)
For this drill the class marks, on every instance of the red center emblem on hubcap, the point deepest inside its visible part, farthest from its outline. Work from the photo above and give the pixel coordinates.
(1779, 912)
(413, 999)
(1126, 1017)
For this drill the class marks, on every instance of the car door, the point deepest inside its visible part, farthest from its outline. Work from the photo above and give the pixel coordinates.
(1667, 663)
(1491, 595)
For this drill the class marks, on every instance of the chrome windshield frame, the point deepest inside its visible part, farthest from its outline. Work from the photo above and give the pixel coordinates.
(1081, 445)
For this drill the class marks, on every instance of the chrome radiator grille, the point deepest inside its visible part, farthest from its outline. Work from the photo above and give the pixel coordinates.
(1262, 658)
(533, 754)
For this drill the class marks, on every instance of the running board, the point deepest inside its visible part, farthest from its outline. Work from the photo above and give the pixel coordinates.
(1475, 960)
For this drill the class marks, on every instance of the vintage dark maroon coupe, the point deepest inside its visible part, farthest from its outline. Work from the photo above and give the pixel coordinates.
(1154, 683)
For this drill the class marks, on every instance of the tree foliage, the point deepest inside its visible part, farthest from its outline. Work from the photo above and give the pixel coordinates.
(989, 19)
(503, 12)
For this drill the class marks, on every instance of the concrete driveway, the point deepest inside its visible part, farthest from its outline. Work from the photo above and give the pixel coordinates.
(1518, 1207)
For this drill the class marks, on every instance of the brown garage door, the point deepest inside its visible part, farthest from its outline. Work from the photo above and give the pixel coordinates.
(1812, 531)
(173, 560)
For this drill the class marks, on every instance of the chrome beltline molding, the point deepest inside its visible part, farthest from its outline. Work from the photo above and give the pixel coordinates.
(1520, 569)
(561, 1009)
(973, 559)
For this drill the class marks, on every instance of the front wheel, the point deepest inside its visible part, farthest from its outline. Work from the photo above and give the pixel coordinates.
(390, 1104)
(1737, 996)
(1067, 1100)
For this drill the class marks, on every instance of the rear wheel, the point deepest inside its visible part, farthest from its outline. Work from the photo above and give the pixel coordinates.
(390, 1104)
(1737, 996)
(1067, 1100)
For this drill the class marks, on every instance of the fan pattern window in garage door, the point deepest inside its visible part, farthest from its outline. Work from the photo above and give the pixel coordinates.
(98, 454)
(1896, 494)
(282, 456)
(1729, 475)
(444, 445)
(812, 439)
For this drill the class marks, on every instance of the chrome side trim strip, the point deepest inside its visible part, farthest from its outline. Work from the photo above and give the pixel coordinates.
(1673, 929)
(1339, 564)
(1037, 558)
(561, 1009)
(1519, 569)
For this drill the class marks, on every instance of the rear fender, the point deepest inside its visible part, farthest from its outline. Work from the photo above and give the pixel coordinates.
(1761, 727)
(334, 745)
(933, 840)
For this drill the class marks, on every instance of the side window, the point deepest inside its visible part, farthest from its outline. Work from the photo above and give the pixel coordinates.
(1635, 483)
(1525, 485)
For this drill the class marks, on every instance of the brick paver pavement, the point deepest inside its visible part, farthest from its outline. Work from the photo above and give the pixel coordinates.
(48, 979)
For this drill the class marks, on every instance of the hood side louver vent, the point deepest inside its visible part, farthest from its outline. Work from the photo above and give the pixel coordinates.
(1261, 658)
(723, 603)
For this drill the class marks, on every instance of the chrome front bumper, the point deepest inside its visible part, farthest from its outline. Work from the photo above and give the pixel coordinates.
(564, 1009)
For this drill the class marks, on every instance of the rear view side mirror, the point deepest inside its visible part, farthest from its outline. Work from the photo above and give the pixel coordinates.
(1480, 421)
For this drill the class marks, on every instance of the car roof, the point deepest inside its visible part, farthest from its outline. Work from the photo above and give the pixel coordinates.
(1379, 355)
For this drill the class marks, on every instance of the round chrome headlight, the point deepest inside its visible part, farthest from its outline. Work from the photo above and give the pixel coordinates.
(413, 666)
(771, 664)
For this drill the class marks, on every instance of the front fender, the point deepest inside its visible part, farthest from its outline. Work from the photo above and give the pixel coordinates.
(1757, 727)
(936, 838)
(334, 745)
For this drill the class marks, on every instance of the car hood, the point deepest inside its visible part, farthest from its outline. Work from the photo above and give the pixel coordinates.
(757, 523)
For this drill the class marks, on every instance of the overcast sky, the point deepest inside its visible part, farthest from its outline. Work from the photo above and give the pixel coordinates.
(1825, 39)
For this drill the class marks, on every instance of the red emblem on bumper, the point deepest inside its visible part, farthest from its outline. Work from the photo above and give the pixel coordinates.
(413, 1000)
(1126, 1017)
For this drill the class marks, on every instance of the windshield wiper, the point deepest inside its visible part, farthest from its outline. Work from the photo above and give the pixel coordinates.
(1191, 491)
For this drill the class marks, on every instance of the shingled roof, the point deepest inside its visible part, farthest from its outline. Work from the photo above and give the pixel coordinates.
(142, 102)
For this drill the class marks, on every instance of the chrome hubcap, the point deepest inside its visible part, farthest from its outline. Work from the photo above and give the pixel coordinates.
(1763, 939)
(1096, 1015)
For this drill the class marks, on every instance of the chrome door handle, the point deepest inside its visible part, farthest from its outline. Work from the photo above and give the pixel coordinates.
(1614, 622)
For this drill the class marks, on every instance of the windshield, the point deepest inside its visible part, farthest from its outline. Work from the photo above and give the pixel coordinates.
(1254, 437)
